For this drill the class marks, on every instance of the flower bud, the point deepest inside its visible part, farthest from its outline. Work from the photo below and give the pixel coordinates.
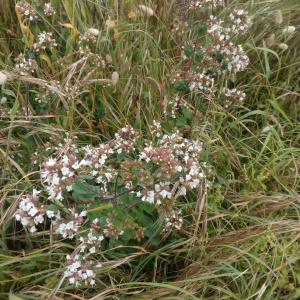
(146, 10)
(93, 31)
(115, 78)
(278, 17)
(283, 46)
(270, 41)
(289, 30)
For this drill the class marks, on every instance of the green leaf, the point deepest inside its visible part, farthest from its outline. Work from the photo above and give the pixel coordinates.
(189, 51)
(201, 30)
(127, 236)
(84, 191)
(199, 56)
(143, 214)
(100, 111)
(188, 114)
(52, 207)
(154, 230)
(9, 93)
(181, 121)
(181, 86)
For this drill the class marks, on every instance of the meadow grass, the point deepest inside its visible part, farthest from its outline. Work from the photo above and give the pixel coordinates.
(242, 241)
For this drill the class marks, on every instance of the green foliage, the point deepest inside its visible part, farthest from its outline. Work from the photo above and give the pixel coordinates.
(182, 87)
(245, 244)
(82, 191)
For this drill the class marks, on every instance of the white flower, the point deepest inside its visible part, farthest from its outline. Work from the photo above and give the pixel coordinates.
(179, 168)
(71, 279)
(165, 194)
(69, 188)
(149, 197)
(3, 78)
(89, 273)
(39, 219)
(83, 162)
(51, 162)
(65, 171)
(83, 213)
(194, 183)
(59, 196)
(93, 250)
(33, 211)
(33, 229)
(50, 214)
(76, 165)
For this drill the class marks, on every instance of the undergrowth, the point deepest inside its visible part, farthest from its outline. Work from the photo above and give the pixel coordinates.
(199, 199)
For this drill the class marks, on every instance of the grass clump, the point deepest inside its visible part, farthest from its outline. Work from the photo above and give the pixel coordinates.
(149, 150)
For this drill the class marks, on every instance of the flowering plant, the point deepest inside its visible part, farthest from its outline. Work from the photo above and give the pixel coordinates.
(210, 58)
(112, 193)
(128, 190)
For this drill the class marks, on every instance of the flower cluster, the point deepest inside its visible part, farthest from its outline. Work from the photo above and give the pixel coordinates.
(209, 54)
(59, 175)
(155, 129)
(92, 242)
(172, 106)
(45, 40)
(176, 158)
(30, 212)
(25, 10)
(229, 56)
(79, 269)
(173, 220)
(68, 228)
(49, 10)
(155, 173)
(25, 66)
(241, 22)
(125, 139)
(94, 162)
(87, 40)
(206, 3)
(112, 230)
(234, 94)
(201, 82)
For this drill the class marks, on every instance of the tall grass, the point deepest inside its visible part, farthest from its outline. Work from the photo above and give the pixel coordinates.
(245, 244)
